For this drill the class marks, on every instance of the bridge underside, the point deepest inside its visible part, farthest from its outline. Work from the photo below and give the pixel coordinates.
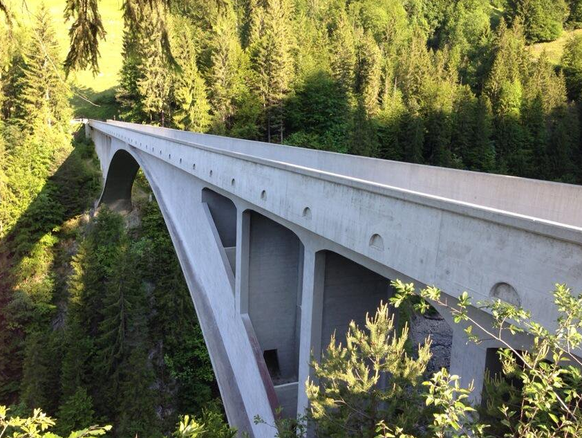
(270, 289)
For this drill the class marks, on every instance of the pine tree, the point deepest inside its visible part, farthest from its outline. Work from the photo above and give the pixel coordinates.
(390, 124)
(575, 14)
(34, 386)
(572, 65)
(128, 93)
(348, 397)
(136, 412)
(155, 80)
(274, 64)
(122, 316)
(472, 131)
(76, 413)
(543, 19)
(44, 94)
(192, 107)
(343, 49)
(224, 74)
(369, 73)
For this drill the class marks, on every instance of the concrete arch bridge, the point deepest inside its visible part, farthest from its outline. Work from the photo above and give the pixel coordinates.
(280, 246)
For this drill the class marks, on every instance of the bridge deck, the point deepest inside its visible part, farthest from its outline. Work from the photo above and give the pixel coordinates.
(539, 200)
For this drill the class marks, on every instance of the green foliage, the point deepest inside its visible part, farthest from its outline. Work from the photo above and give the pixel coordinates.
(545, 401)
(76, 412)
(318, 114)
(192, 107)
(37, 425)
(543, 19)
(273, 64)
(210, 425)
(572, 65)
(349, 400)
(575, 14)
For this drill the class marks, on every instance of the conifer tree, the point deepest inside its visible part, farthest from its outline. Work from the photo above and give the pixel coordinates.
(44, 94)
(349, 399)
(472, 131)
(543, 19)
(122, 318)
(128, 93)
(76, 413)
(274, 64)
(224, 74)
(572, 65)
(343, 49)
(575, 14)
(155, 80)
(369, 74)
(192, 107)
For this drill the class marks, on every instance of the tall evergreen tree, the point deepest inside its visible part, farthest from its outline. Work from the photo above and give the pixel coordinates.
(223, 76)
(274, 64)
(155, 81)
(343, 48)
(192, 107)
(543, 19)
(575, 14)
(572, 66)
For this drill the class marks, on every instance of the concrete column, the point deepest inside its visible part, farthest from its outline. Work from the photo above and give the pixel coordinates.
(311, 318)
(243, 233)
(468, 360)
(87, 129)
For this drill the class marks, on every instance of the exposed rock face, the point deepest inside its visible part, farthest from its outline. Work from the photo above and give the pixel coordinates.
(422, 326)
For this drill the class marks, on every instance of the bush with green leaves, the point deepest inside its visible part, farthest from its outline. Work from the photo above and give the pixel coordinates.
(537, 394)
(37, 426)
(348, 399)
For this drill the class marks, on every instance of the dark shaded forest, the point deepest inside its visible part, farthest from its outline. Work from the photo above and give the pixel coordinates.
(96, 322)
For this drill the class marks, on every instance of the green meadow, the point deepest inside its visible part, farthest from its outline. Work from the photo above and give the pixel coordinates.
(94, 95)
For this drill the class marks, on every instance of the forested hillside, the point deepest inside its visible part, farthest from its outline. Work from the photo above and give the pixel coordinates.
(96, 323)
(437, 82)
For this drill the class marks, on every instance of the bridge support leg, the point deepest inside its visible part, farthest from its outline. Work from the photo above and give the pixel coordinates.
(468, 360)
(311, 319)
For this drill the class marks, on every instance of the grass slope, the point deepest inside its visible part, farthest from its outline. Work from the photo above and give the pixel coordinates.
(99, 89)
(554, 49)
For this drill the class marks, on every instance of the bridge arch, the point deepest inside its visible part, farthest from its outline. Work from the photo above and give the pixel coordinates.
(118, 182)
(121, 171)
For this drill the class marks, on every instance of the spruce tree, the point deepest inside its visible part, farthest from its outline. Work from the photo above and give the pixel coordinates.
(572, 66)
(543, 19)
(369, 73)
(44, 94)
(76, 413)
(575, 14)
(223, 76)
(128, 93)
(121, 316)
(155, 80)
(192, 107)
(343, 49)
(274, 64)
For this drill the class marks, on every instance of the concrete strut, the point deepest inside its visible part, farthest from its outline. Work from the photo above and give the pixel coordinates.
(282, 246)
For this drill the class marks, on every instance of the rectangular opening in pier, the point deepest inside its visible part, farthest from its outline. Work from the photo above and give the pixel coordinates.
(223, 212)
(274, 280)
(350, 291)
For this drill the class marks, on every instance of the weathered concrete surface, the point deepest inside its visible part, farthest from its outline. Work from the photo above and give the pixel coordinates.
(490, 235)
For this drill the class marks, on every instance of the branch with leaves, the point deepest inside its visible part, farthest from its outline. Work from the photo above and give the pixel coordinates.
(549, 373)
